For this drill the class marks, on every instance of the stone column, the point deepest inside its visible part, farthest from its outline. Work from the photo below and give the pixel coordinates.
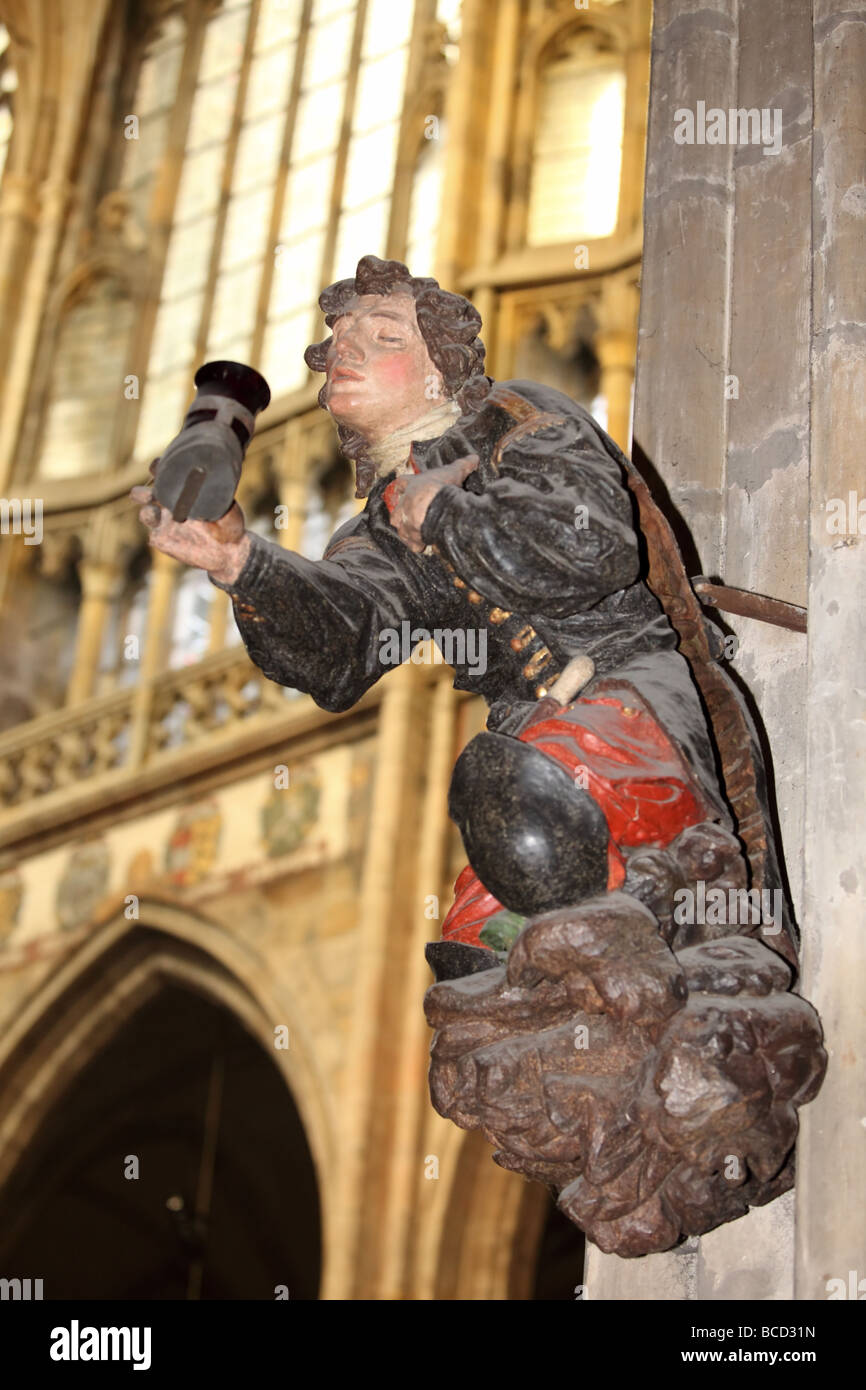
(404, 1204)
(19, 211)
(58, 111)
(100, 583)
(831, 1220)
(466, 112)
(292, 473)
(359, 1193)
(55, 197)
(614, 347)
(615, 352)
(219, 618)
(165, 571)
(722, 414)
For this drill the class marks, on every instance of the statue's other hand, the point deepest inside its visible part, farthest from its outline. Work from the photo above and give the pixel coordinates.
(413, 494)
(220, 547)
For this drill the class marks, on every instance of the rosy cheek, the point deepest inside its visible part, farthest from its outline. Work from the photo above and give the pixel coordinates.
(396, 368)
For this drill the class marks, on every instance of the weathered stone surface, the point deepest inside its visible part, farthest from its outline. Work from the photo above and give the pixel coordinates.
(832, 1153)
(736, 458)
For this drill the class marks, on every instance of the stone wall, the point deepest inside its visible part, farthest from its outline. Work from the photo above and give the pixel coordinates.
(751, 338)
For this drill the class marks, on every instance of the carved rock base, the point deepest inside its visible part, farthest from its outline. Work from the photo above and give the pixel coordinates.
(655, 1090)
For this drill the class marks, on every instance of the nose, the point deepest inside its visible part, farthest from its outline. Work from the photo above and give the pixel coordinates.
(348, 347)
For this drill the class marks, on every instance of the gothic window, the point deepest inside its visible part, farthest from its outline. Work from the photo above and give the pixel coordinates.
(91, 342)
(577, 152)
(366, 192)
(80, 411)
(146, 125)
(288, 169)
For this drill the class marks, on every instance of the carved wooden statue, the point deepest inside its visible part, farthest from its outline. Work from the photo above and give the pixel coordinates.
(613, 1004)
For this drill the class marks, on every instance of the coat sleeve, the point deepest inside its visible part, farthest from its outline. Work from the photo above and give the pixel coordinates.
(551, 534)
(320, 626)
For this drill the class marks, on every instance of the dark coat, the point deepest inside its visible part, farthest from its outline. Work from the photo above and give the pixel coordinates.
(515, 535)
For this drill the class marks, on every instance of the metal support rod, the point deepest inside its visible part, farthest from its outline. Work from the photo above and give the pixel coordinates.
(749, 605)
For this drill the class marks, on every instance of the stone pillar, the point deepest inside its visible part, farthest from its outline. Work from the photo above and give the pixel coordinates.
(358, 1202)
(100, 583)
(688, 210)
(615, 352)
(219, 617)
(292, 473)
(831, 1222)
(466, 112)
(614, 347)
(722, 414)
(57, 112)
(19, 211)
(55, 197)
(404, 1204)
(164, 572)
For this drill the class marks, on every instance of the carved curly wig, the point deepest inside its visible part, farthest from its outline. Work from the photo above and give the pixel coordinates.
(448, 323)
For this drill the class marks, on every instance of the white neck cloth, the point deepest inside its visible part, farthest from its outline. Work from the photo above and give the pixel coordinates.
(393, 451)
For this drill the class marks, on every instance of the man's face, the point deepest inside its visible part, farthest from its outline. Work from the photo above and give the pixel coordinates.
(379, 374)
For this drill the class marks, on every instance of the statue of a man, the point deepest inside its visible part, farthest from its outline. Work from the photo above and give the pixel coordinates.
(647, 1066)
(503, 509)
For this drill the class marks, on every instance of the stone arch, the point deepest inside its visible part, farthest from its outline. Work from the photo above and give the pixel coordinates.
(85, 1002)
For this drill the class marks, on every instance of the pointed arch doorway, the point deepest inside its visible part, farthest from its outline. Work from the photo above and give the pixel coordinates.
(172, 1163)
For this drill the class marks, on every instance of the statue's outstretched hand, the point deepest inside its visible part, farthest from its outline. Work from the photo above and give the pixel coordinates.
(415, 492)
(220, 547)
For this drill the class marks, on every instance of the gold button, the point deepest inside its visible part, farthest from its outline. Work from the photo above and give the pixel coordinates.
(536, 663)
(523, 638)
